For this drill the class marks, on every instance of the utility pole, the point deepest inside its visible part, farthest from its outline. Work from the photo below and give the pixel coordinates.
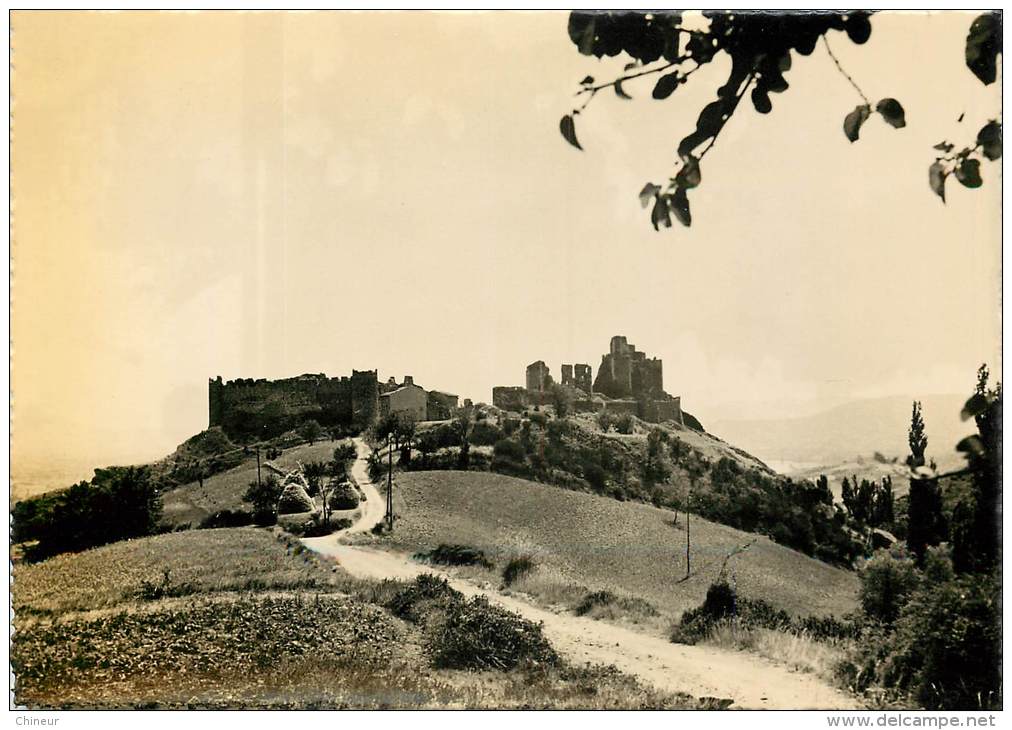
(390, 485)
(688, 541)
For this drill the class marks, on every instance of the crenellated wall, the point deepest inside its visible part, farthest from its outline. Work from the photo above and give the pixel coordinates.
(247, 408)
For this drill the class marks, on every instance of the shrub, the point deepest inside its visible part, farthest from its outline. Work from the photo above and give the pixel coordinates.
(484, 433)
(263, 497)
(455, 555)
(887, 580)
(624, 424)
(723, 604)
(118, 504)
(345, 452)
(596, 477)
(152, 591)
(478, 635)
(606, 599)
(943, 652)
(517, 568)
(423, 593)
(227, 518)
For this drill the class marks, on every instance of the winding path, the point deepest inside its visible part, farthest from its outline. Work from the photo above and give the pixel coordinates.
(702, 671)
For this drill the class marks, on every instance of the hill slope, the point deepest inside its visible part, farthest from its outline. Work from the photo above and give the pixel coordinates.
(601, 543)
(859, 427)
(247, 618)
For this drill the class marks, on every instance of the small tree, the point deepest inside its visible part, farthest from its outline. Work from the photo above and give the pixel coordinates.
(462, 426)
(311, 431)
(916, 437)
(561, 400)
(655, 467)
(925, 521)
(263, 497)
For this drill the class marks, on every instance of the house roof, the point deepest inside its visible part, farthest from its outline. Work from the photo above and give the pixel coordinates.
(403, 387)
(443, 392)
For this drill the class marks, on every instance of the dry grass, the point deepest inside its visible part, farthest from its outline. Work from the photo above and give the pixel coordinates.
(265, 624)
(798, 652)
(191, 503)
(237, 559)
(601, 544)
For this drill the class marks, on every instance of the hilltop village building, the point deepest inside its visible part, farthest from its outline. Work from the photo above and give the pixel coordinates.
(247, 408)
(627, 382)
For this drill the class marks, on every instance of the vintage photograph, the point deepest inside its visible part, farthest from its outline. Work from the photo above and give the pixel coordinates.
(499, 360)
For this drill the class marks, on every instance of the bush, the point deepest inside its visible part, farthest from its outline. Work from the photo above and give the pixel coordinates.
(887, 581)
(624, 424)
(423, 594)
(484, 433)
(345, 451)
(517, 568)
(152, 591)
(596, 477)
(227, 518)
(478, 635)
(606, 599)
(943, 652)
(118, 504)
(263, 497)
(723, 604)
(455, 555)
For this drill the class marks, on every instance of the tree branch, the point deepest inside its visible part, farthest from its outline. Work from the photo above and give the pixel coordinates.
(713, 139)
(845, 74)
(594, 89)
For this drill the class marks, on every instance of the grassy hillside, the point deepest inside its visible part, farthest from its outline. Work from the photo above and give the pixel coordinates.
(246, 618)
(600, 543)
(191, 502)
(666, 465)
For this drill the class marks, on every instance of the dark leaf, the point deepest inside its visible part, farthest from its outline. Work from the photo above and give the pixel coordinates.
(852, 123)
(962, 114)
(983, 44)
(659, 216)
(690, 175)
(568, 129)
(968, 173)
(582, 31)
(944, 146)
(892, 111)
(648, 193)
(971, 445)
(680, 207)
(631, 66)
(936, 179)
(858, 27)
(974, 407)
(761, 101)
(784, 62)
(711, 119)
(587, 81)
(989, 139)
(666, 85)
(620, 92)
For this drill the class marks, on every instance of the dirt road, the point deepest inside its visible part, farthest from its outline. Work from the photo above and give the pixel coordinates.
(702, 671)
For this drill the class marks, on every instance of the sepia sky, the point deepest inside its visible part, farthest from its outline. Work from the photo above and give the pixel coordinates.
(264, 195)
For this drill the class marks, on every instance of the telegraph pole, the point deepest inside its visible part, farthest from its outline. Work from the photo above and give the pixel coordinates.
(258, 465)
(390, 485)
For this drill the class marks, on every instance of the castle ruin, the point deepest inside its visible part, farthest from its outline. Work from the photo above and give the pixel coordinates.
(248, 409)
(627, 382)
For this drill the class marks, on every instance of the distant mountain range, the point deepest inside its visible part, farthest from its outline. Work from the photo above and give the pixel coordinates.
(857, 428)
